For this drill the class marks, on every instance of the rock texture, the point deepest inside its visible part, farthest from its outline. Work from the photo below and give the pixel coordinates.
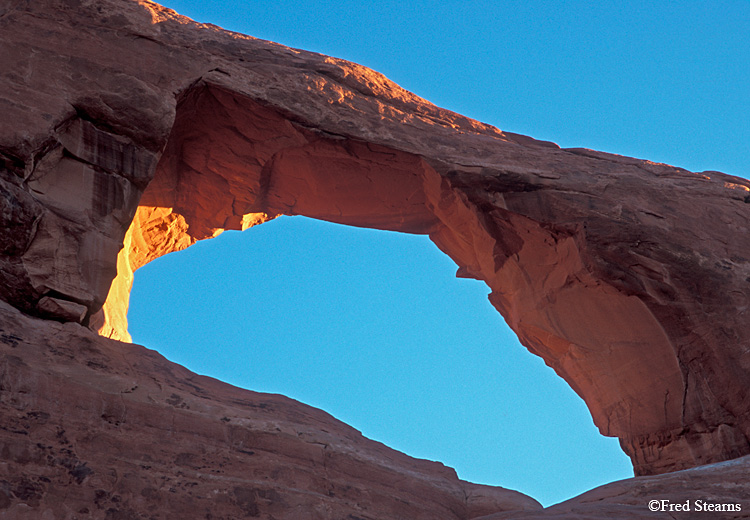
(95, 428)
(129, 131)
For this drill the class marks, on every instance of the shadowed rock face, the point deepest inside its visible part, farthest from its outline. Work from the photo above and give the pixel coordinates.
(125, 124)
(96, 428)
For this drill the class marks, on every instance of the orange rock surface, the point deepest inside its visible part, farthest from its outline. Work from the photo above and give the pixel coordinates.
(129, 132)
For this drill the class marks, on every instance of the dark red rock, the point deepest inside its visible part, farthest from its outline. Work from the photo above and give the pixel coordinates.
(110, 428)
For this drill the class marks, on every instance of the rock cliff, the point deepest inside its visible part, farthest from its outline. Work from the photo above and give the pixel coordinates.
(129, 131)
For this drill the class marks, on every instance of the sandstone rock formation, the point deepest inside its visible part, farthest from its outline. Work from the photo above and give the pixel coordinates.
(96, 428)
(129, 131)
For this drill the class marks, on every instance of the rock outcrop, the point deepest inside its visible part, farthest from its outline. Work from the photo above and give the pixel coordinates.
(129, 131)
(96, 428)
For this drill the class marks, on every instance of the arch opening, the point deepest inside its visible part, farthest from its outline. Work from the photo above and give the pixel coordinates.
(373, 327)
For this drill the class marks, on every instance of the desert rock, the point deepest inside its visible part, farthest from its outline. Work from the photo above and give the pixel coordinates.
(96, 428)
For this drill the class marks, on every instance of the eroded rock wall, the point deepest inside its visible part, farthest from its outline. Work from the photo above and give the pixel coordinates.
(95, 428)
(629, 278)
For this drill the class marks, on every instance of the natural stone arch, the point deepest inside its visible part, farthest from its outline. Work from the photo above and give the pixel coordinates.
(628, 277)
(231, 163)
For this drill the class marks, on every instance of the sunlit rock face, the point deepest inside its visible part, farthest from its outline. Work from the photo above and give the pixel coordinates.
(129, 132)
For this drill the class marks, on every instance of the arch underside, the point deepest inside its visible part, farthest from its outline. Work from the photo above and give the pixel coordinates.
(586, 286)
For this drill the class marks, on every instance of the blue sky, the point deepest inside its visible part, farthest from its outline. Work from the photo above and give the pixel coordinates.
(372, 326)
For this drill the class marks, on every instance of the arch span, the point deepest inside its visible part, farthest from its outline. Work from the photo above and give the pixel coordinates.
(232, 162)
